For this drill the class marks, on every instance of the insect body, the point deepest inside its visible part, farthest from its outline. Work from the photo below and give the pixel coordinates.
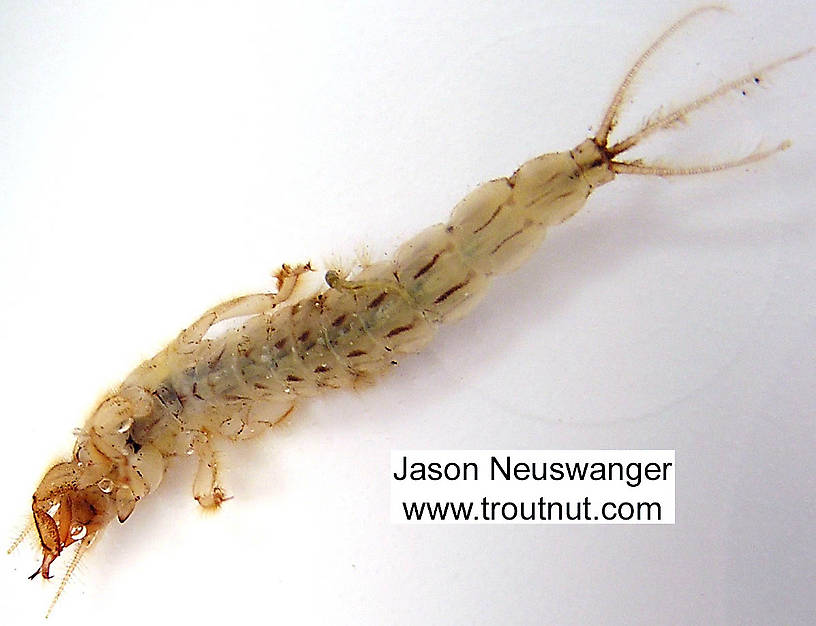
(210, 384)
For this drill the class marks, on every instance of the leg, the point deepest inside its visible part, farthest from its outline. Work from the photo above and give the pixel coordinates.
(180, 354)
(207, 488)
(243, 424)
(253, 304)
(247, 420)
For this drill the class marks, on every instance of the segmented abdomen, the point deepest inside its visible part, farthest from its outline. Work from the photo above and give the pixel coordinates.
(356, 328)
(330, 340)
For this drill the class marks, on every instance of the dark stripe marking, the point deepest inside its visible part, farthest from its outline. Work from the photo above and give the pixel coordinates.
(453, 289)
(399, 329)
(428, 266)
(378, 300)
(217, 359)
(490, 219)
(506, 239)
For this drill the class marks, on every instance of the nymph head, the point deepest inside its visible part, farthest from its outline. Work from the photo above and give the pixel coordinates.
(66, 511)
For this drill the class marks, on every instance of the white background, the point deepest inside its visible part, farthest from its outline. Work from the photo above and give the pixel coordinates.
(157, 159)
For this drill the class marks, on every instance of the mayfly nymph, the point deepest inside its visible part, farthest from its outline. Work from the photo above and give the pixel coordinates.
(236, 383)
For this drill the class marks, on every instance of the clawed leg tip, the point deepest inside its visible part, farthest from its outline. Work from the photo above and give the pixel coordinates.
(212, 501)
